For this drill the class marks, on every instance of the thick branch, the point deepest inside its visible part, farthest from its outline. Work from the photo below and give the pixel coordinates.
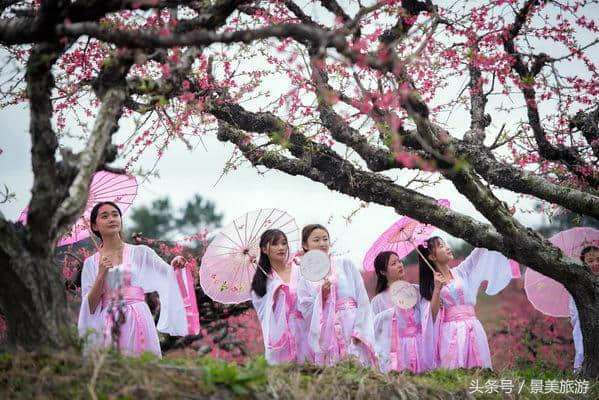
(40, 26)
(493, 171)
(478, 100)
(521, 181)
(89, 159)
(337, 174)
(110, 88)
(44, 143)
(341, 175)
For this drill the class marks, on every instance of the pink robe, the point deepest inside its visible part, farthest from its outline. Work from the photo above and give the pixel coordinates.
(142, 271)
(342, 325)
(404, 337)
(462, 341)
(283, 326)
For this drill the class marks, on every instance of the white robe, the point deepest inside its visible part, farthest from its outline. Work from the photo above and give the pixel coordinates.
(152, 274)
(283, 326)
(462, 341)
(415, 347)
(343, 324)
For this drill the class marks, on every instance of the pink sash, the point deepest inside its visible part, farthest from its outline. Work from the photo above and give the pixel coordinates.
(459, 313)
(464, 312)
(125, 297)
(129, 295)
(287, 337)
(396, 333)
(189, 300)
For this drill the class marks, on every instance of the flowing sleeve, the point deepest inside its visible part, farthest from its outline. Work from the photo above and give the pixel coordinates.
(576, 335)
(272, 312)
(310, 305)
(430, 332)
(158, 276)
(89, 325)
(364, 321)
(383, 320)
(485, 265)
(378, 304)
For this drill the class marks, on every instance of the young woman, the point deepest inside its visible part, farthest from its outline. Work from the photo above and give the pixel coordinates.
(589, 257)
(461, 341)
(404, 337)
(113, 283)
(274, 298)
(337, 310)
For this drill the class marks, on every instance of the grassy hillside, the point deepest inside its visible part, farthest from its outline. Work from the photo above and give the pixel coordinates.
(67, 375)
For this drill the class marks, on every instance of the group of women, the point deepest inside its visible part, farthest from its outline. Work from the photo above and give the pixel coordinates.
(328, 321)
(303, 321)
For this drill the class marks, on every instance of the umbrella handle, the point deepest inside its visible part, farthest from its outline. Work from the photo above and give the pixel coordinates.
(424, 258)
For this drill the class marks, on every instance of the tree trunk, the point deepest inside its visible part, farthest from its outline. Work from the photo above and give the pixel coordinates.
(34, 301)
(587, 302)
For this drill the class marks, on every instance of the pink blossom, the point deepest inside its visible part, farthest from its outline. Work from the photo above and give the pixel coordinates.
(166, 70)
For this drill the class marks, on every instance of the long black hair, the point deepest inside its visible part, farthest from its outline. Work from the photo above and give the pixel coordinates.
(427, 279)
(380, 266)
(269, 236)
(94, 215)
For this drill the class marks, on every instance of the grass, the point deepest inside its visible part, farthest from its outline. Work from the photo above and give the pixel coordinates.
(103, 375)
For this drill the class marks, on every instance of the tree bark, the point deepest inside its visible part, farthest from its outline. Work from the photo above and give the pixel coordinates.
(32, 296)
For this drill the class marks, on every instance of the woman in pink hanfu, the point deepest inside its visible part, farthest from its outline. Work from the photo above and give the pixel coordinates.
(113, 283)
(461, 341)
(337, 310)
(404, 337)
(275, 301)
(589, 257)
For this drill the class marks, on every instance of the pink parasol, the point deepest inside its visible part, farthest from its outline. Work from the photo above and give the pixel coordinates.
(105, 186)
(547, 295)
(231, 259)
(402, 237)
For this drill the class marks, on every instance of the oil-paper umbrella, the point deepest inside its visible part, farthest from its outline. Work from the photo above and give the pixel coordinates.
(105, 186)
(402, 237)
(547, 295)
(231, 259)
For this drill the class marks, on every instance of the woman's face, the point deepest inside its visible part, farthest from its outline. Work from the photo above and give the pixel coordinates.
(108, 222)
(318, 240)
(591, 260)
(395, 269)
(277, 251)
(441, 253)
